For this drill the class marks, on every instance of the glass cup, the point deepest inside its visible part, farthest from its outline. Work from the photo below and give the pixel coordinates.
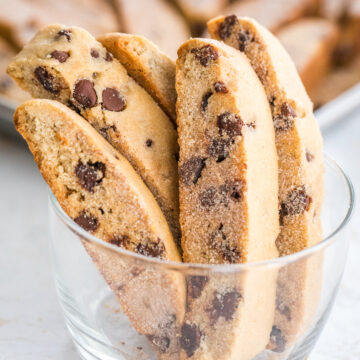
(122, 305)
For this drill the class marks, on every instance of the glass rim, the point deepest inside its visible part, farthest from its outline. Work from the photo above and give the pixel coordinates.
(221, 268)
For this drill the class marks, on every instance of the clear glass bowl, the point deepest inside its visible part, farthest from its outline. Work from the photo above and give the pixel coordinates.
(221, 300)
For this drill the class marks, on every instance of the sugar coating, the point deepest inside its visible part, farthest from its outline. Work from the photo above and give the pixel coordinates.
(148, 65)
(301, 169)
(228, 199)
(67, 64)
(119, 209)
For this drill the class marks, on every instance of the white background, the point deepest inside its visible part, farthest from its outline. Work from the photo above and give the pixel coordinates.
(31, 323)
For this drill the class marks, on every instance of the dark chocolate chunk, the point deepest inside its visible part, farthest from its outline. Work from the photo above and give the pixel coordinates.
(104, 131)
(205, 100)
(94, 53)
(297, 202)
(152, 249)
(60, 56)
(226, 26)
(205, 54)
(87, 221)
(244, 37)
(149, 142)
(220, 87)
(46, 80)
(284, 121)
(309, 156)
(108, 57)
(224, 305)
(235, 189)
(231, 255)
(195, 285)
(229, 124)
(66, 33)
(90, 174)
(161, 342)
(85, 94)
(219, 149)
(190, 338)
(190, 171)
(113, 100)
(120, 240)
(209, 197)
(278, 339)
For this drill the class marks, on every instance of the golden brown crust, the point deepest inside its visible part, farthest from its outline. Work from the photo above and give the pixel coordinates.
(150, 67)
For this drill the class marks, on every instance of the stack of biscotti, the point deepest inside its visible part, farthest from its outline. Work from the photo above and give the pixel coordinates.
(299, 148)
(106, 127)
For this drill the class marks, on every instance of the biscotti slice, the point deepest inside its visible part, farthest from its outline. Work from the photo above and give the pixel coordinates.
(69, 65)
(156, 20)
(198, 12)
(7, 86)
(21, 19)
(310, 43)
(149, 66)
(98, 188)
(272, 14)
(228, 198)
(301, 169)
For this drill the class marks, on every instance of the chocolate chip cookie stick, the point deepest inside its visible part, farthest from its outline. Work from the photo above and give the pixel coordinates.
(301, 169)
(67, 64)
(228, 200)
(98, 188)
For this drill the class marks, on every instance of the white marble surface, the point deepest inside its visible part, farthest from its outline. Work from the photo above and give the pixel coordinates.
(31, 323)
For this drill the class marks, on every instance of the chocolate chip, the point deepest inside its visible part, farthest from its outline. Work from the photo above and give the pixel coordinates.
(94, 53)
(309, 156)
(220, 87)
(152, 249)
(230, 124)
(190, 338)
(108, 57)
(209, 197)
(120, 240)
(195, 285)
(231, 255)
(244, 37)
(87, 221)
(297, 202)
(66, 33)
(219, 149)
(113, 100)
(90, 174)
(224, 305)
(46, 80)
(190, 171)
(235, 189)
(226, 26)
(104, 131)
(277, 338)
(205, 54)
(85, 94)
(205, 100)
(149, 142)
(162, 343)
(283, 308)
(285, 120)
(60, 56)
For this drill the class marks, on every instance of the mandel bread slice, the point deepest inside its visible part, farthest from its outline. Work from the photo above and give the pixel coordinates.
(149, 66)
(67, 64)
(98, 188)
(301, 170)
(228, 200)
